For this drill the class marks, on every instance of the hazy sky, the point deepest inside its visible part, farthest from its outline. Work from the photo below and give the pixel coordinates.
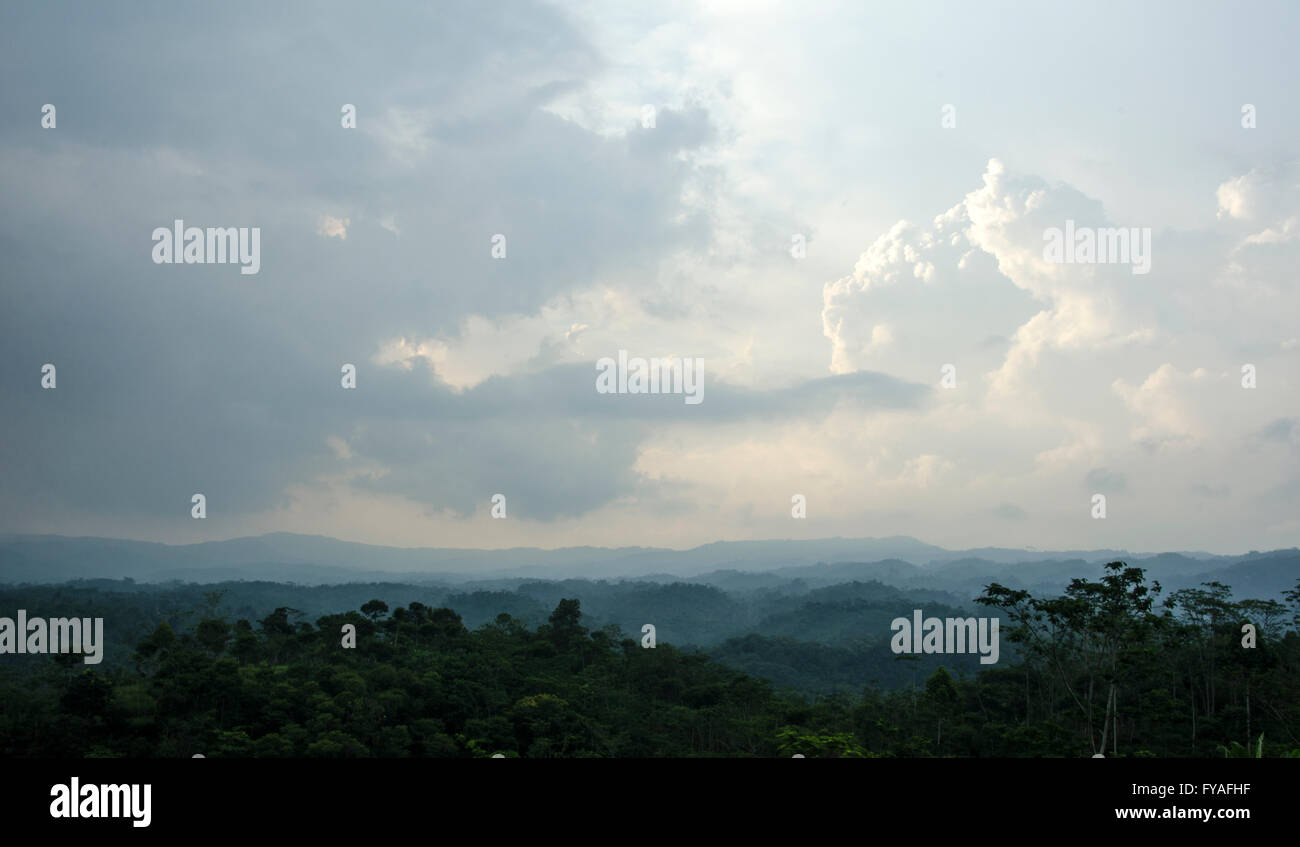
(476, 375)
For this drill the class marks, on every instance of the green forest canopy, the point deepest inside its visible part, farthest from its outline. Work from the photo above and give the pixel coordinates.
(1108, 664)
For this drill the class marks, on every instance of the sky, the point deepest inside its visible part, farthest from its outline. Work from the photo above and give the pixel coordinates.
(840, 210)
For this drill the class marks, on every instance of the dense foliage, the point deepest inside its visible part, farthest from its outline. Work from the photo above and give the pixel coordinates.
(1106, 665)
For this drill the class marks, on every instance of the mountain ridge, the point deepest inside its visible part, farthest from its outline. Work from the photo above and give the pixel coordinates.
(292, 557)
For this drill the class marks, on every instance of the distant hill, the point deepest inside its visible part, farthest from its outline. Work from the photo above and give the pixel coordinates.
(731, 565)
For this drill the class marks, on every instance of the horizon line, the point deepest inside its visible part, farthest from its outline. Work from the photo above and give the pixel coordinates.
(33, 535)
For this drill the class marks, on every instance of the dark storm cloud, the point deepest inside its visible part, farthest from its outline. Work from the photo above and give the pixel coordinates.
(175, 379)
(556, 446)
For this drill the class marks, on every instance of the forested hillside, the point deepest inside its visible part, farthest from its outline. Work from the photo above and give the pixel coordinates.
(842, 631)
(1110, 663)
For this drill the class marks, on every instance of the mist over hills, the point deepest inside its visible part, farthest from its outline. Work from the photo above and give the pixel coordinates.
(899, 561)
(811, 616)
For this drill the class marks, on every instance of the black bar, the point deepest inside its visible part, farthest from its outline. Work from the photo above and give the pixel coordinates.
(332, 797)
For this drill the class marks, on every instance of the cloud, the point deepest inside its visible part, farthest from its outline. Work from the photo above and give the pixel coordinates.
(1164, 415)
(475, 373)
(330, 227)
(1102, 367)
(182, 379)
(1262, 195)
(965, 270)
(404, 135)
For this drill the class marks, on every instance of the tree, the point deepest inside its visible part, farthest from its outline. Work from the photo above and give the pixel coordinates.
(941, 698)
(1091, 636)
(1205, 611)
(213, 635)
(374, 609)
(566, 627)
